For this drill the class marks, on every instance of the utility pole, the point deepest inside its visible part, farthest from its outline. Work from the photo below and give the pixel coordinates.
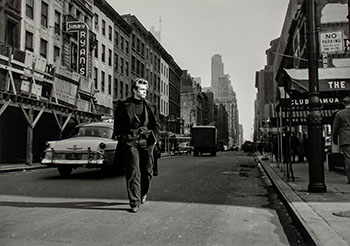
(349, 15)
(316, 167)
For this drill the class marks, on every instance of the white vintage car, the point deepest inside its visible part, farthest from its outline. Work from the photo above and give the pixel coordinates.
(92, 146)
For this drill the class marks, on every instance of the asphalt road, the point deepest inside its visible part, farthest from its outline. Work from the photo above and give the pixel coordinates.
(222, 200)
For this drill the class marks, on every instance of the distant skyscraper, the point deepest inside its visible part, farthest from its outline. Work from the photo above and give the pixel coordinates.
(223, 93)
(156, 33)
(217, 71)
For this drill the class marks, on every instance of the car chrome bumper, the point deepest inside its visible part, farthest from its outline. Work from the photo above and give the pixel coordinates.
(86, 163)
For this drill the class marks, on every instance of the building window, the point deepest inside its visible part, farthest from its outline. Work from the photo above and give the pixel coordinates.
(127, 68)
(96, 21)
(121, 65)
(138, 44)
(133, 45)
(110, 33)
(29, 41)
(109, 85)
(103, 52)
(56, 53)
(57, 22)
(96, 51)
(79, 15)
(143, 49)
(109, 57)
(115, 88)
(43, 48)
(127, 47)
(121, 89)
(133, 64)
(103, 27)
(142, 70)
(44, 13)
(122, 43)
(102, 81)
(115, 62)
(137, 67)
(30, 8)
(95, 77)
(116, 39)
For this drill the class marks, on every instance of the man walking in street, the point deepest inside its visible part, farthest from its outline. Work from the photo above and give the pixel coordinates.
(137, 129)
(341, 129)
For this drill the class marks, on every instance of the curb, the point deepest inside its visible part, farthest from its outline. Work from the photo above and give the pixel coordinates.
(315, 230)
(20, 168)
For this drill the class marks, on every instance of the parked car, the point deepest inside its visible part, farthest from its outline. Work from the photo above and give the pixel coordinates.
(92, 146)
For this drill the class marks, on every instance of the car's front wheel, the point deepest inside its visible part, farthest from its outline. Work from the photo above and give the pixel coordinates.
(65, 171)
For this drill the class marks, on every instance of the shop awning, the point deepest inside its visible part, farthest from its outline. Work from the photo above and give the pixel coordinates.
(330, 79)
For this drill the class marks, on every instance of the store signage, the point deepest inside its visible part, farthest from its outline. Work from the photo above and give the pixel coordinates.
(324, 60)
(331, 42)
(334, 85)
(82, 30)
(305, 101)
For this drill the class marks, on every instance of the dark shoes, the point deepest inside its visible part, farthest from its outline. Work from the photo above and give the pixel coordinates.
(143, 199)
(134, 209)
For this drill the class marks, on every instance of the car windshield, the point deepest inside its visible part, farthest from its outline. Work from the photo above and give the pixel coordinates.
(93, 131)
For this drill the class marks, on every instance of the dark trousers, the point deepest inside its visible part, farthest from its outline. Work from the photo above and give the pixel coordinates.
(346, 152)
(138, 171)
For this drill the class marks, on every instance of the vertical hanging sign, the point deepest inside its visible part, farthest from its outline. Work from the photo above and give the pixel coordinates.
(82, 30)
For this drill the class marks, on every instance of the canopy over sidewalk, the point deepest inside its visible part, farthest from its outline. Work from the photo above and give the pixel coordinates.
(330, 79)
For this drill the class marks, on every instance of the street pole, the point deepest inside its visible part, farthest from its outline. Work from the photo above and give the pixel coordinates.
(349, 15)
(316, 168)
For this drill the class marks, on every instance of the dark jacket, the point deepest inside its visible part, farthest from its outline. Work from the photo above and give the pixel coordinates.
(341, 127)
(124, 120)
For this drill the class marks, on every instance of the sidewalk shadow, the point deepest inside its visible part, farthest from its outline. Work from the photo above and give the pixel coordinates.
(93, 205)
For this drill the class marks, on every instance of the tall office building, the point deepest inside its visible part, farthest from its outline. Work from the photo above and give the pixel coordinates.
(217, 71)
(223, 91)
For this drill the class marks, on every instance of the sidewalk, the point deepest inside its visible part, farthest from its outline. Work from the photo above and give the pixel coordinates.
(323, 218)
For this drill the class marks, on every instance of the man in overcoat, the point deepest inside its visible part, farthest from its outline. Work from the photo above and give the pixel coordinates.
(341, 129)
(137, 129)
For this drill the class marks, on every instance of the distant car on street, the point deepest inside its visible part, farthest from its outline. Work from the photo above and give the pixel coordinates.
(92, 146)
(248, 146)
(184, 148)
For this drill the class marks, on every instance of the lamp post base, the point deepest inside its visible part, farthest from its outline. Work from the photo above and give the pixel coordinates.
(317, 188)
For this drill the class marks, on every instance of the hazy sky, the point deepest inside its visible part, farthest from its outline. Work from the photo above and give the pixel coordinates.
(192, 31)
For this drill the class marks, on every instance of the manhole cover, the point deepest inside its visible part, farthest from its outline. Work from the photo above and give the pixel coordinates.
(343, 214)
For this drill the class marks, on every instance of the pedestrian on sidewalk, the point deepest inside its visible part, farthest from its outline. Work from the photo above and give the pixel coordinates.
(341, 129)
(303, 148)
(136, 127)
(294, 146)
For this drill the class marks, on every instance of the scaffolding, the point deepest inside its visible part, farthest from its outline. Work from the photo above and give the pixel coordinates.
(30, 85)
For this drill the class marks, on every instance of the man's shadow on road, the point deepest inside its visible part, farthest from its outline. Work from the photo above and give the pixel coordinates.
(93, 205)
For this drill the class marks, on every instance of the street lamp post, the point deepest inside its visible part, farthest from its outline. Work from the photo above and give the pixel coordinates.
(316, 169)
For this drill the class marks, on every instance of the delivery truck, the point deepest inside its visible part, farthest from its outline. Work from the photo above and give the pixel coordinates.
(204, 140)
